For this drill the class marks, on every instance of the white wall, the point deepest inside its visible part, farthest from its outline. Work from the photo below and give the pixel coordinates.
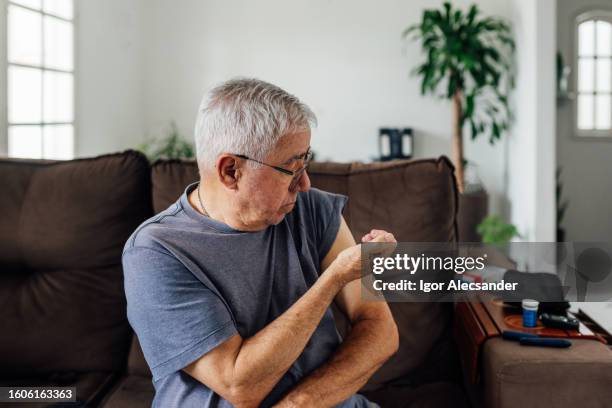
(109, 82)
(344, 58)
(532, 145)
(586, 163)
(144, 63)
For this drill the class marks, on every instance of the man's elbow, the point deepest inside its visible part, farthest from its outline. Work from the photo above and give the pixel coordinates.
(240, 393)
(243, 397)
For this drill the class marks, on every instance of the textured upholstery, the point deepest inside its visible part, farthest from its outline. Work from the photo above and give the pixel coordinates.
(64, 224)
(169, 179)
(417, 199)
(532, 377)
(132, 391)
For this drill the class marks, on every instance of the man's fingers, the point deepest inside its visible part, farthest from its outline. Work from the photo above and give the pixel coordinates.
(385, 237)
(382, 245)
(372, 234)
(377, 232)
(378, 236)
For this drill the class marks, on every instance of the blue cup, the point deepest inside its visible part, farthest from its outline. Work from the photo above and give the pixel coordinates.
(530, 312)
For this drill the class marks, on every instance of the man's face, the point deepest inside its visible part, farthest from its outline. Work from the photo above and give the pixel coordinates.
(265, 197)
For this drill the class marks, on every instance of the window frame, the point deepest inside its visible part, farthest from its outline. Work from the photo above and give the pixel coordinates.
(4, 67)
(587, 134)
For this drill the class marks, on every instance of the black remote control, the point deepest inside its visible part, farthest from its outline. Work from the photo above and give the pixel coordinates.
(559, 322)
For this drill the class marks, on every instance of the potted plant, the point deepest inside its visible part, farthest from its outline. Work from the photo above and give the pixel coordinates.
(494, 230)
(468, 60)
(173, 146)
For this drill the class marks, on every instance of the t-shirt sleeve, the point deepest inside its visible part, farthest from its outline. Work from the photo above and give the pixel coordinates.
(326, 213)
(176, 317)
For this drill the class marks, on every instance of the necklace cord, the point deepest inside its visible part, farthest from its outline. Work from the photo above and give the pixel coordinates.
(200, 200)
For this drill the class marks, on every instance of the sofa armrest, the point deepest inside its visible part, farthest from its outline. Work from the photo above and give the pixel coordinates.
(519, 376)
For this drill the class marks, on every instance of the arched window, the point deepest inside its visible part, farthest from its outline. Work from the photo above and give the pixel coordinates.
(593, 53)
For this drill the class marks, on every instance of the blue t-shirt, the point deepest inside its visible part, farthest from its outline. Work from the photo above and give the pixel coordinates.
(192, 282)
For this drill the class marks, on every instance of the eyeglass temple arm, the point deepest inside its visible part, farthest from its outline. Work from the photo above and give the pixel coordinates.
(285, 171)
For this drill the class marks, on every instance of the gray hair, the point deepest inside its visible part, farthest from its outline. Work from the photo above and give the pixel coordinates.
(247, 116)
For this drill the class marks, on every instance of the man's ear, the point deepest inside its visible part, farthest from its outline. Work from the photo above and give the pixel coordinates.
(228, 171)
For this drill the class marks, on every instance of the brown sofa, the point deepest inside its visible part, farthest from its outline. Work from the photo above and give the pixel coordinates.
(62, 307)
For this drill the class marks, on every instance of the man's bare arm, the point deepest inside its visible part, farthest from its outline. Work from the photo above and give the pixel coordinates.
(244, 371)
(372, 340)
(370, 343)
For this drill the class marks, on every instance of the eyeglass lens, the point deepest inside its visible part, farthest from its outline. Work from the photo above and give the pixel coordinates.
(297, 177)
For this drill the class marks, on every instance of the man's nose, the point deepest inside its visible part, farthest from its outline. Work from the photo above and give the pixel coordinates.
(304, 184)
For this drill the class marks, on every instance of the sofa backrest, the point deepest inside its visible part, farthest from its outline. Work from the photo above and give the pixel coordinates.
(416, 200)
(63, 227)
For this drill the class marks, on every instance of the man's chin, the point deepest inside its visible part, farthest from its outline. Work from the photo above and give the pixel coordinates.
(284, 210)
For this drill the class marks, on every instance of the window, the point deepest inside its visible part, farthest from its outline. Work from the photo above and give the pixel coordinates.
(594, 74)
(40, 78)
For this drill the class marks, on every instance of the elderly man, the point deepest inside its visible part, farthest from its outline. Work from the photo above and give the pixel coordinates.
(229, 289)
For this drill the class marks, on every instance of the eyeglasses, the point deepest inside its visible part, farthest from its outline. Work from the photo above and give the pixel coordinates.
(297, 174)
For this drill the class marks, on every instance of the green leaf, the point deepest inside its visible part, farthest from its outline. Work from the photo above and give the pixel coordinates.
(472, 14)
(474, 129)
(469, 105)
(494, 230)
(457, 17)
(172, 146)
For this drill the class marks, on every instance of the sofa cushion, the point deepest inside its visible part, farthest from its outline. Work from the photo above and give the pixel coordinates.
(136, 361)
(517, 376)
(132, 391)
(416, 200)
(169, 179)
(62, 285)
(15, 177)
(432, 395)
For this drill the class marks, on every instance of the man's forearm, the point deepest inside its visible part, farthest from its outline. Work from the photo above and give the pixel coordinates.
(265, 357)
(366, 348)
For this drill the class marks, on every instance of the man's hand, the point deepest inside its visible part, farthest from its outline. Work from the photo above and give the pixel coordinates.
(348, 262)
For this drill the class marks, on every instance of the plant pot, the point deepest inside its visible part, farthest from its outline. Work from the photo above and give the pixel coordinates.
(473, 208)
(560, 234)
